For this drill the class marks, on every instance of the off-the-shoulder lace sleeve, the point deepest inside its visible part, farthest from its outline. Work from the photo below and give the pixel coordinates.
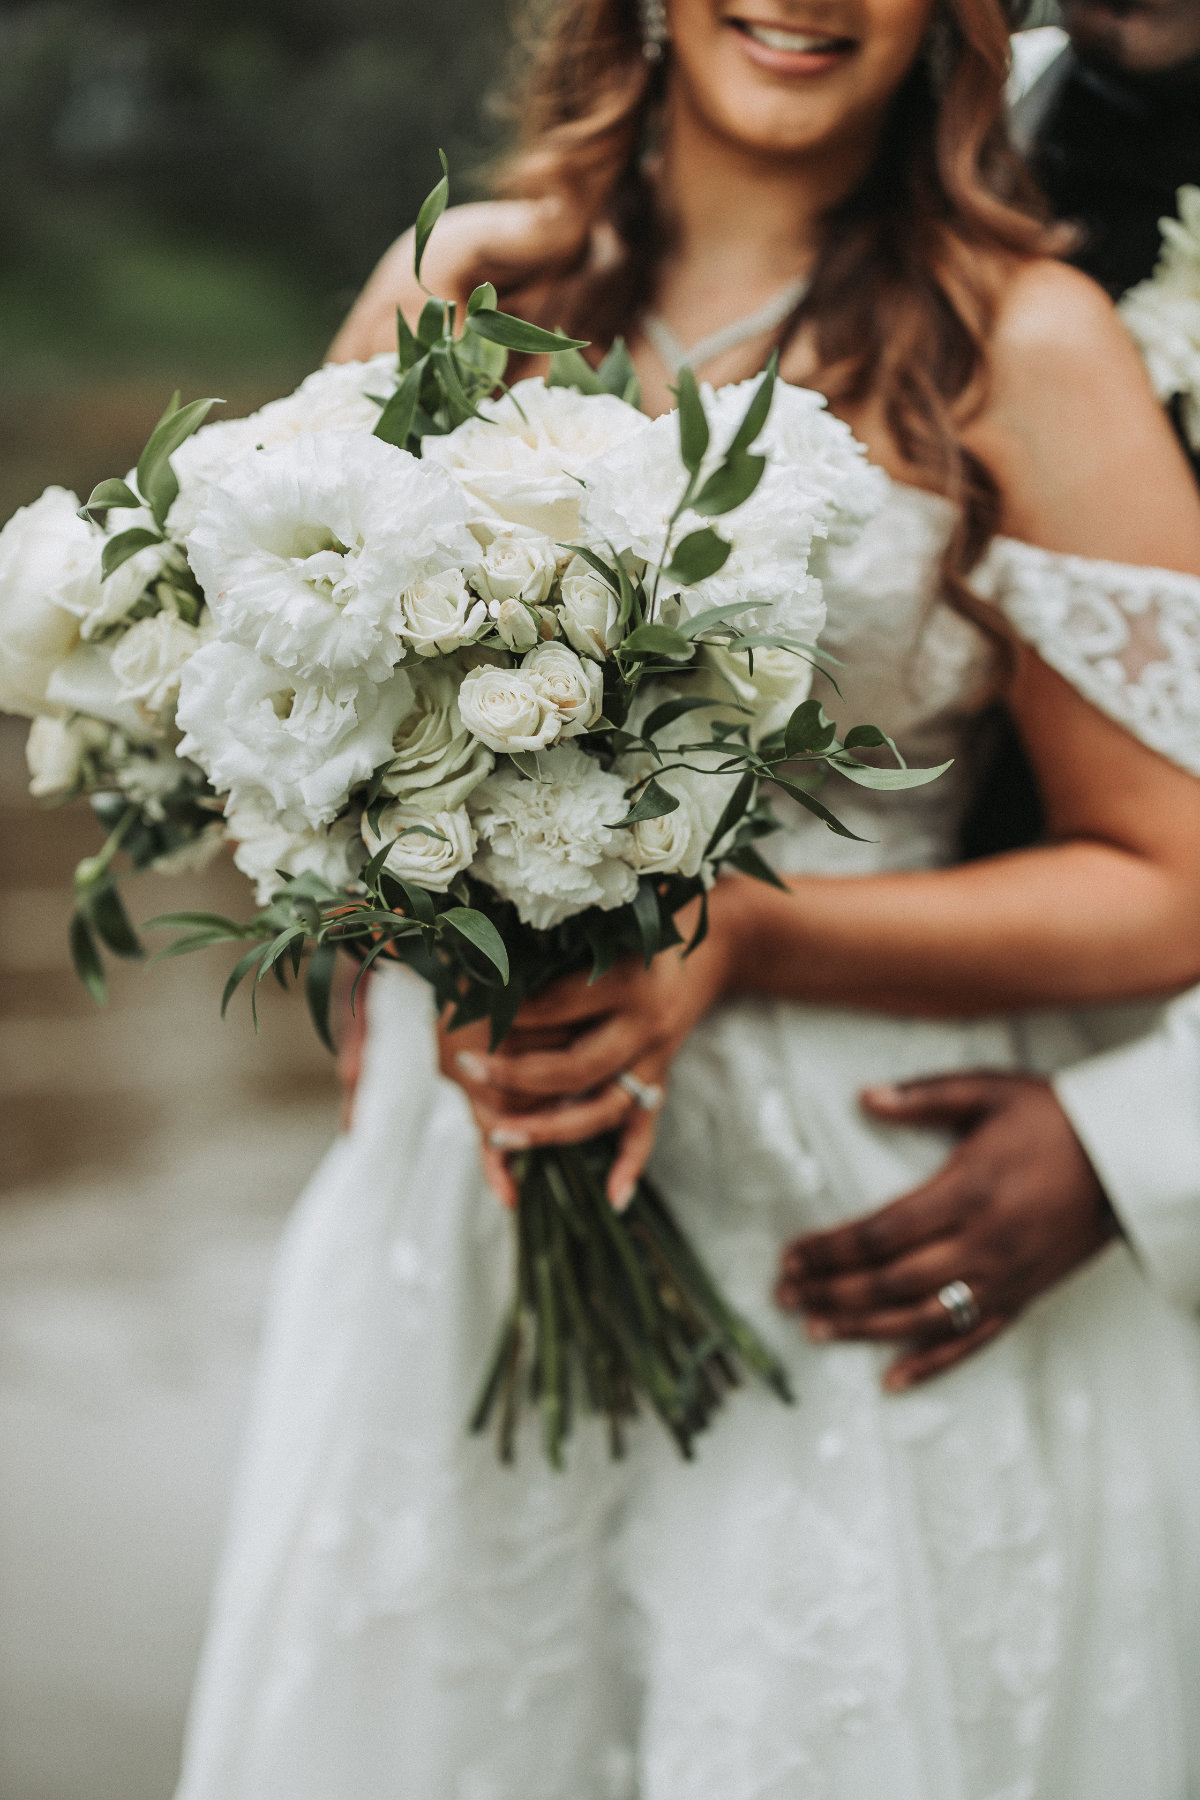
(1127, 638)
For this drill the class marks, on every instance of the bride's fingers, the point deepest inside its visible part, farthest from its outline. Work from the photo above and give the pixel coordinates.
(499, 1176)
(921, 1365)
(593, 1059)
(570, 1123)
(637, 1141)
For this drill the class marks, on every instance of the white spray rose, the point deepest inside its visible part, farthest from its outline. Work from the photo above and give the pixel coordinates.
(548, 846)
(304, 552)
(780, 682)
(440, 613)
(250, 726)
(572, 686)
(430, 849)
(56, 751)
(436, 761)
(148, 661)
(519, 460)
(264, 847)
(517, 625)
(335, 398)
(49, 576)
(589, 611)
(505, 709)
(516, 565)
(673, 844)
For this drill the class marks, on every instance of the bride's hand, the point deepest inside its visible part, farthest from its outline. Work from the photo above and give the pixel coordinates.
(556, 1078)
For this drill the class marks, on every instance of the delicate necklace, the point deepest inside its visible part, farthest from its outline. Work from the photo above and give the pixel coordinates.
(730, 337)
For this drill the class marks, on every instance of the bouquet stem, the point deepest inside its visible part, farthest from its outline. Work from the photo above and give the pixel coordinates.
(610, 1310)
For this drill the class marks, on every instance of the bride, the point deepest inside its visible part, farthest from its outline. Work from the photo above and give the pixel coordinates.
(986, 1590)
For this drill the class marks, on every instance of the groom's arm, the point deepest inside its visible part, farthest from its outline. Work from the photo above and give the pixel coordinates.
(1136, 1111)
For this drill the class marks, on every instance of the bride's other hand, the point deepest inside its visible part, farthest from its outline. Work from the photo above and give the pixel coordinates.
(516, 244)
(1015, 1209)
(557, 1079)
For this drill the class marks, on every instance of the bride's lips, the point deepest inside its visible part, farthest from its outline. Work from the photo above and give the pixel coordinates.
(787, 50)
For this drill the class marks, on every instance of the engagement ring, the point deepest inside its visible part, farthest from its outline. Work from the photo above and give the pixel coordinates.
(962, 1306)
(646, 1094)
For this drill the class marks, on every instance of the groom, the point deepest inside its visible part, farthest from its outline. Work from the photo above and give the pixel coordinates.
(1045, 1173)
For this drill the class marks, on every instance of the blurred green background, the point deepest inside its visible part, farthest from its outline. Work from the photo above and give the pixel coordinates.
(192, 193)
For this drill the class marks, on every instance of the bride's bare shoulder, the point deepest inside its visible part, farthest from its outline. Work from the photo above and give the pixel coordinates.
(1083, 453)
(508, 242)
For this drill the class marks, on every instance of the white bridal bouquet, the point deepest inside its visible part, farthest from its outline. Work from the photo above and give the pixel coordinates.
(470, 681)
(1163, 314)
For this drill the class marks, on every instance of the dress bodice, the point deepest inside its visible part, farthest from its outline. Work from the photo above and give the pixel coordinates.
(1128, 639)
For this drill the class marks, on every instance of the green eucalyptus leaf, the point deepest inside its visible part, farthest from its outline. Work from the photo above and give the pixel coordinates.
(648, 915)
(106, 913)
(865, 737)
(517, 334)
(654, 802)
(395, 422)
(86, 958)
(758, 410)
(617, 375)
(238, 974)
(483, 299)
(155, 477)
(811, 804)
(458, 402)
(478, 929)
(119, 549)
(670, 710)
(698, 556)
(713, 616)
(420, 905)
(656, 640)
(693, 423)
(808, 731)
(193, 921)
(408, 350)
(730, 485)
(431, 326)
(432, 208)
(107, 495)
(608, 572)
(568, 369)
(374, 869)
(318, 989)
(748, 860)
(887, 781)
(735, 806)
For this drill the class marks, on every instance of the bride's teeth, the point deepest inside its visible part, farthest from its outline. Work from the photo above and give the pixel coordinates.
(798, 42)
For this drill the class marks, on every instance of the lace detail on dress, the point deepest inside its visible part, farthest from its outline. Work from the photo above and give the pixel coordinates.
(1127, 638)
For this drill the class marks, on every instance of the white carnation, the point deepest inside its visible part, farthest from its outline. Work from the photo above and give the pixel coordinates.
(430, 849)
(56, 752)
(335, 398)
(305, 552)
(519, 461)
(517, 564)
(148, 661)
(548, 846)
(590, 611)
(506, 710)
(250, 726)
(265, 849)
(436, 761)
(439, 613)
(569, 684)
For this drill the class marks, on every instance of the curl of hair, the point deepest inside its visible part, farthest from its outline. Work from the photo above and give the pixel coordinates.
(905, 288)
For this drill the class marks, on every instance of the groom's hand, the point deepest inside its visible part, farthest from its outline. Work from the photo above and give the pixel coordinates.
(1016, 1207)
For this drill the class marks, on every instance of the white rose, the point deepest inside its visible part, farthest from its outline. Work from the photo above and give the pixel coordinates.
(519, 460)
(418, 855)
(517, 625)
(304, 552)
(264, 847)
(148, 661)
(56, 751)
(516, 565)
(548, 846)
(780, 682)
(49, 574)
(439, 613)
(338, 397)
(571, 685)
(436, 761)
(505, 709)
(250, 726)
(673, 844)
(590, 611)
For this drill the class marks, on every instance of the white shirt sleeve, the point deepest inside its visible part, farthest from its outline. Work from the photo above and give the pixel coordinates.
(1136, 1111)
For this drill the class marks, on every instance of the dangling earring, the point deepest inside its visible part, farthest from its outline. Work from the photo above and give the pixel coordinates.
(941, 46)
(656, 33)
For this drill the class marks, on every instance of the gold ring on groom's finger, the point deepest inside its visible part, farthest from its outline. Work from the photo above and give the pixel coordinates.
(646, 1094)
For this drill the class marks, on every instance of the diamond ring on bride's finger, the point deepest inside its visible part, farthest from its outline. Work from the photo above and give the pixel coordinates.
(646, 1094)
(958, 1298)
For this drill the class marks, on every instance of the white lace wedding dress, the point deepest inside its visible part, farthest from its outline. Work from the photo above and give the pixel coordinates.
(988, 1589)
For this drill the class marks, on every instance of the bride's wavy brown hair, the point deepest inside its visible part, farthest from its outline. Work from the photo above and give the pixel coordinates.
(904, 292)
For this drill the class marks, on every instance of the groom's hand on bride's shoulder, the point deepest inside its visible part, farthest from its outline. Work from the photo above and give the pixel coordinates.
(1015, 1208)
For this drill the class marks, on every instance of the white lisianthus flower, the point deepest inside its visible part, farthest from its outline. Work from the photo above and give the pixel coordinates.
(85, 682)
(430, 849)
(517, 625)
(589, 612)
(338, 397)
(572, 685)
(516, 564)
(1163, 313)
(673, 844)
(436, 761)
(49, 577)
(520, 459)
(548, 846)
(506, 710)
(304, 552)
(265, 849)
(147, 776)
(56, 752)
(148, 661)
(250, 726)
(439, 613)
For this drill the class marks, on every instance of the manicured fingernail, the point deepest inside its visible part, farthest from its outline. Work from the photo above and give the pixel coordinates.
(502, 1139)
(819, 1330)
(473, 1066)
(623, 1196)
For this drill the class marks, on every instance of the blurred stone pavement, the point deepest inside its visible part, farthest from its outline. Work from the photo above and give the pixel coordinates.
(148, 1155)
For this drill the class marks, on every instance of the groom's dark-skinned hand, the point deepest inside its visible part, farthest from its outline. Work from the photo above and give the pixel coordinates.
(1015, 1209)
